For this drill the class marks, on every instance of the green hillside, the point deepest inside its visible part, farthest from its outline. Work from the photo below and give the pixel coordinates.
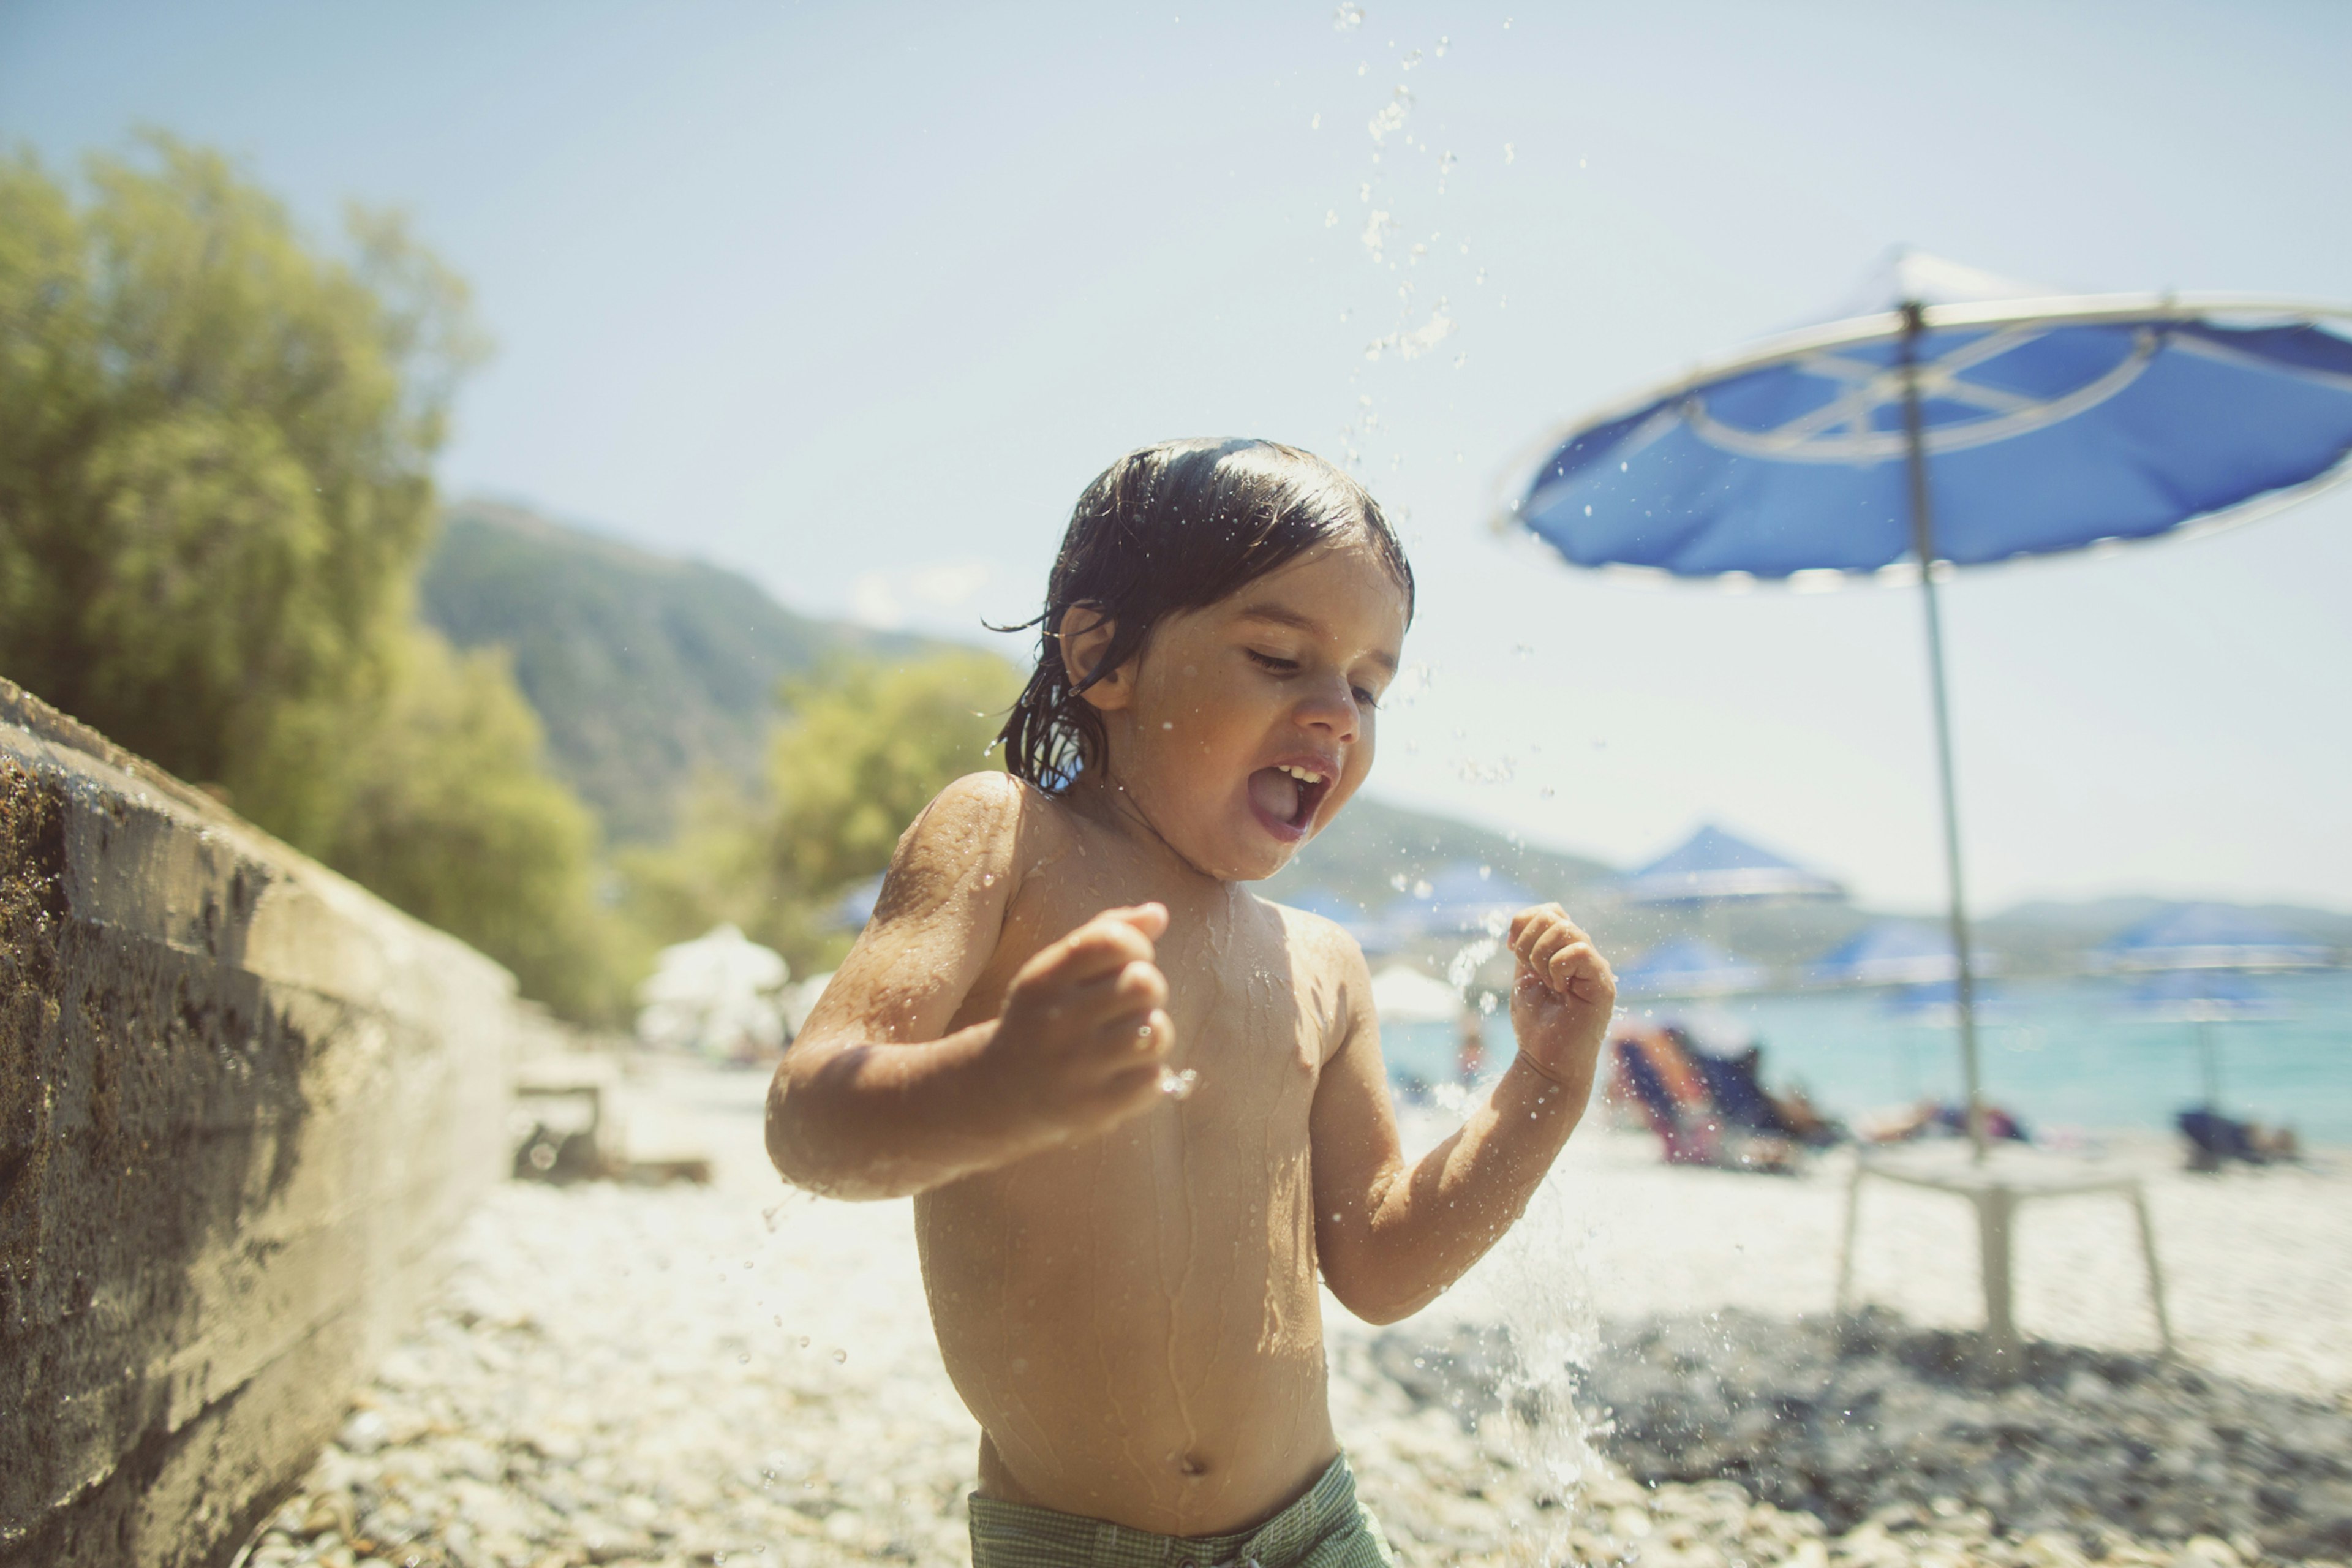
(645, 671)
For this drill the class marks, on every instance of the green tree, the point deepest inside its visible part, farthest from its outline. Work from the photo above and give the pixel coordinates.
(866, 747)
(216, 481)
(215, 487)
(457, 822)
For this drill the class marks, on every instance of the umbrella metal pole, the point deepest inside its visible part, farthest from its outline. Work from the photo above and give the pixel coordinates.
(2211, 1064)
(1923, 542)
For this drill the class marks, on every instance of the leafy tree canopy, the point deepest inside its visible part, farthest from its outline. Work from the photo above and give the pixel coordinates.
(215, 487)
(866, 747)
(454, 820)
(215, 454)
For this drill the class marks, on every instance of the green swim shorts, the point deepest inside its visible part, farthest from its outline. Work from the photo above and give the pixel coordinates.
(1327, 1527)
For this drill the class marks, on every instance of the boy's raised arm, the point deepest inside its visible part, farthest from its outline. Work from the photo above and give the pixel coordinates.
(1391, 1236)
(877, 1099)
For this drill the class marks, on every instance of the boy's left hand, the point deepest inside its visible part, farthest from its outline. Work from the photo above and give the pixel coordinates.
(1561, 999)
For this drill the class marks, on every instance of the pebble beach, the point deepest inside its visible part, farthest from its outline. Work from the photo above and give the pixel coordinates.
(1648, 1371)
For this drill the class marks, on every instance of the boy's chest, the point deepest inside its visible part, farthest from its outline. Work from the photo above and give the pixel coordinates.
(1252, 1025)
(1253, 1015)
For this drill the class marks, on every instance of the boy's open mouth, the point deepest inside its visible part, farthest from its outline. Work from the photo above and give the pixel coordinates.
(1288, 793)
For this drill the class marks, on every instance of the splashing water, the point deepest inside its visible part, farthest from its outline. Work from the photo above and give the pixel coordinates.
(1466, 963)
(1543, 1290)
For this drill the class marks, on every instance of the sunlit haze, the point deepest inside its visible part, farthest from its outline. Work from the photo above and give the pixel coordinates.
(856, 301)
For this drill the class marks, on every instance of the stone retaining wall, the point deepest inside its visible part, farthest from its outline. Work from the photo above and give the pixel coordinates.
(243, 1105)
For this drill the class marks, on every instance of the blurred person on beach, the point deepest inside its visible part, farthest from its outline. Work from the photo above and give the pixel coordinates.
(1141, 1108)
(1470, 1048)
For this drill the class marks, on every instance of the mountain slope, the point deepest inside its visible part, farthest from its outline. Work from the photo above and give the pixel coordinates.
(645, 671)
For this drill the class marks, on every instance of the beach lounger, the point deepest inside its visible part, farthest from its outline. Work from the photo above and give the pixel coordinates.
(1672, 1094)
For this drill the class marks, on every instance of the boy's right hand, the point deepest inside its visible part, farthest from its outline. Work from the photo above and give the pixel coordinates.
(1086, 1028)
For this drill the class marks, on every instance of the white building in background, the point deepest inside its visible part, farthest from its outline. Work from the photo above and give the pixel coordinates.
(720, 995)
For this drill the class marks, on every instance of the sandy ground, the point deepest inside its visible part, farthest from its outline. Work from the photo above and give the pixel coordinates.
(738, 1372)
(2257, 1263)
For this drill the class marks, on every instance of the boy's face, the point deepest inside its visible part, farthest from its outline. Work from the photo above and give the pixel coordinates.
(1245, 726)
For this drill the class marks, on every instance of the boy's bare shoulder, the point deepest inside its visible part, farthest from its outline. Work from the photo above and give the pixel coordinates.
(975, 831)
(1321, 949)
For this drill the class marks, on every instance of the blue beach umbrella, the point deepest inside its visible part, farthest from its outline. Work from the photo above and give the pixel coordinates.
(1371, 935)
(1713, 866)
(1938, 1002)
(2207, 936)
(2202, 998)
(855, 907)
(1325, 902)
(1890, 952)
(1686, 966)
(1963, 421)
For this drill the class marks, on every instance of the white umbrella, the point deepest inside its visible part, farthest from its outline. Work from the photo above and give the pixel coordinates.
(1403, 995)
(715, 995)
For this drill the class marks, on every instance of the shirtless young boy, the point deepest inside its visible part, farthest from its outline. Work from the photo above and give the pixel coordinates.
(1123, 1279)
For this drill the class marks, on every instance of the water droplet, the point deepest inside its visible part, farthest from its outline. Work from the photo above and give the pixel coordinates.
(744, 1359)
(1316, 124)
(803, 1342)
(1179, 1085)
(1510, 153)
(987, 878)
(839, 1357)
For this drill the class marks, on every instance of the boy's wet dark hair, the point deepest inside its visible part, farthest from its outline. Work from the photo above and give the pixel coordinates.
(1167, 529)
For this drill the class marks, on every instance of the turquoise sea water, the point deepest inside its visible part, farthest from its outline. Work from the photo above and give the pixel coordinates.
(2057, 1052)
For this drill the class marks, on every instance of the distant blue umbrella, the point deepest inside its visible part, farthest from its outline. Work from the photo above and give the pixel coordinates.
(1371, 935)
(1687, 966)
(1889, 952)
(1325, 902)
(2202, 998)
(1938, 1001)
(855, 907)
(2208, 936)
(1713, 866)
(1964, 421)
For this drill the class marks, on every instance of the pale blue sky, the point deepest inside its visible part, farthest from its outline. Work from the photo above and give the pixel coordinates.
(857, 300)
